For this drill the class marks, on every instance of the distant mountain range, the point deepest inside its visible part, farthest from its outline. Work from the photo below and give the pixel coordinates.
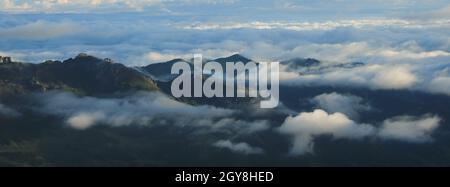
(89, 75)
(161, 71)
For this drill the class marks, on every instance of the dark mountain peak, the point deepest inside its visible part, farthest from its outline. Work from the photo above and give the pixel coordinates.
(168, 63)
(159, 70)
(358, 63)
(350, 65)
(86, 59)
(301, 62)
(83, 57)
(233, 58)
(176, 60)
(52, 62)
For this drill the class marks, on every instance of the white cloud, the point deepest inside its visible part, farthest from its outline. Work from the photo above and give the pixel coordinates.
(241, 147)
(85, 120)
(11, 5)
(334, 102)
(140, 109)
(365, 51)
(327, 25)
(407, 128)
(160, 57)
(157, 57)
(374, 76)
(394, 78)
(440, 84)
(308, 125)
(145, 109)
(236, 126)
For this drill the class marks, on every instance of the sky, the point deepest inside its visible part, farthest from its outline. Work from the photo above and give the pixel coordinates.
(140, 32)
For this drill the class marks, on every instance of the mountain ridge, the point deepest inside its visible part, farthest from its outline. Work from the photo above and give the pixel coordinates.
(89, 75)
(84, 74)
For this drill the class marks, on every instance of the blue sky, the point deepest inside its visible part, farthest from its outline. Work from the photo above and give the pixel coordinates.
(284, 9)
(139, 32)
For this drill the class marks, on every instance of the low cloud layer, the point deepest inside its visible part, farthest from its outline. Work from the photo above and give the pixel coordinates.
(440, 84)
(423, 76)
(306, 126)
(385, 77)
(307, 26)
(349, 105)
(241, 147)
(408, 128)
(144, 109)
(83, 112)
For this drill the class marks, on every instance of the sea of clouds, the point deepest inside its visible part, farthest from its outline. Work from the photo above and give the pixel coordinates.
(401, 51)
